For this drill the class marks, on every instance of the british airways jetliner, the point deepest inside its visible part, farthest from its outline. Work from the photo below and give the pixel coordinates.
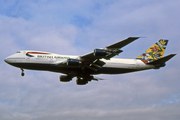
(99, 61)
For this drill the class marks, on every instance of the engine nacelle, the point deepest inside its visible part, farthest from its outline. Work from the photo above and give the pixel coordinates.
(73, 62)
(100, 52)
(65, 78)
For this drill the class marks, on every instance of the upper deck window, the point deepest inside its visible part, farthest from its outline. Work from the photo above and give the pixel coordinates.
(18, 52)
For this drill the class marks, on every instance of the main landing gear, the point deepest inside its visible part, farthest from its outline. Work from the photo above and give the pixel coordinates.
(22, 74)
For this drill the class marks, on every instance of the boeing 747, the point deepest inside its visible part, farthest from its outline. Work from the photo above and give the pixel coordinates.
(99, 61)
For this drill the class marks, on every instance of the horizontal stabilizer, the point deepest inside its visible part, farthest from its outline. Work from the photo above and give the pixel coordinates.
(162, 60)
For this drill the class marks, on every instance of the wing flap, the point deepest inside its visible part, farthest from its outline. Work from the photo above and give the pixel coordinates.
(96, 65)
(113, 53)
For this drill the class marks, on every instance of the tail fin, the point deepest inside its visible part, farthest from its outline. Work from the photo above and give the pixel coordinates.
(155, 52)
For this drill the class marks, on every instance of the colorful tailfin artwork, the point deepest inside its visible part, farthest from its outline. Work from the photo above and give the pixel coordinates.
(155, 52)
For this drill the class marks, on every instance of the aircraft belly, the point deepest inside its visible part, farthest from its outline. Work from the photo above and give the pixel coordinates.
(109, 70)
(46, 67)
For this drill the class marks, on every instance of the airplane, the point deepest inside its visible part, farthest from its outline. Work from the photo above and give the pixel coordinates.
(99, 61)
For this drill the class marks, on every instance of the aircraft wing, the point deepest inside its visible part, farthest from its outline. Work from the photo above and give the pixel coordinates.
(112, 50)
(93, 62)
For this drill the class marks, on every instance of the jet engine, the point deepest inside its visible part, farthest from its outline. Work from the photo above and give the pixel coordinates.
(73, 62)
(100, 52)
(65, 78)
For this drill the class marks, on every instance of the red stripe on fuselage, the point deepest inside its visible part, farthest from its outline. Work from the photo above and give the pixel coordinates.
(36, 53)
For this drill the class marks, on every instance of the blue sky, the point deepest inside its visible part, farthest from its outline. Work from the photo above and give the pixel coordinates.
(76, 28)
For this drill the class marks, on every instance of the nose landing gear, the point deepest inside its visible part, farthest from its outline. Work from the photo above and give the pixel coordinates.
(22, 74)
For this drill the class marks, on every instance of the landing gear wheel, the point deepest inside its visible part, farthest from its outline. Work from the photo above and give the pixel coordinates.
(22, 74)
(81, 81)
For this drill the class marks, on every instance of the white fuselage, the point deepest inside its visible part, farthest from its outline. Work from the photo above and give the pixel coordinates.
(37, 60)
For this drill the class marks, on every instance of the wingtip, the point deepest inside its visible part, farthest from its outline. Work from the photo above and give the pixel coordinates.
(173, 54)
(134, 37)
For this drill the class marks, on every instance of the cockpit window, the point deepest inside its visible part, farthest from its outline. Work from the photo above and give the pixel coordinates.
(18, 52)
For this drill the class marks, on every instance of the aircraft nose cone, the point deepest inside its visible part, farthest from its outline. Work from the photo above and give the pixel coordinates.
(6, 60)
(9, 60)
